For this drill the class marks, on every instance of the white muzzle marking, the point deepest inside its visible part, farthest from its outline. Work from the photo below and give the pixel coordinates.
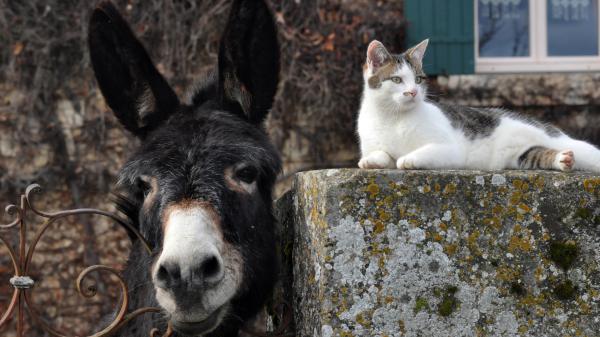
(191, 235)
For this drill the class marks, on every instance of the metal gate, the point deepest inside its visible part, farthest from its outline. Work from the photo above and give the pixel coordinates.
(21, 257)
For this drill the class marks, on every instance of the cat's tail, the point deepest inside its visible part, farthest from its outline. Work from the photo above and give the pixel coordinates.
(587, 156)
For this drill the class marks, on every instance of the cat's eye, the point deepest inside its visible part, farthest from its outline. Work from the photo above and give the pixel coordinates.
(396, 79)
(247, 174)
(419, 79)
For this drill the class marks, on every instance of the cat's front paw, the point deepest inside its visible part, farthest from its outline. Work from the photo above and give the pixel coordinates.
(564, 160)
(370, 164)
(405, 163)
(376, 160)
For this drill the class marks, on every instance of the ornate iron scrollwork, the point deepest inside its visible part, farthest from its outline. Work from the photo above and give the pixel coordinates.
(21, 261)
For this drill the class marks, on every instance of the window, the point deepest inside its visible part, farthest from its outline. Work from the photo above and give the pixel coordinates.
(468, 36)
(449, 26)
(536, 35)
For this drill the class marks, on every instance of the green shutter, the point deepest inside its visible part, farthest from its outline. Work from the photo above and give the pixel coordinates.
(449, 26)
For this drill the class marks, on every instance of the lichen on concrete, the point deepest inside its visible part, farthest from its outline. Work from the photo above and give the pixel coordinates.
(455, 253)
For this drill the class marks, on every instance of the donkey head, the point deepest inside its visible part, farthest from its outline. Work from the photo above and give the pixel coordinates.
(199, 188)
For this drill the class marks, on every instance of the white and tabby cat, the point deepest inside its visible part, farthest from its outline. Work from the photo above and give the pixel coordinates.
(399, 128)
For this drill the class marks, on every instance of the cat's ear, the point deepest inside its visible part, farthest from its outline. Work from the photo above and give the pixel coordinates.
(377, 55)
(417, 52)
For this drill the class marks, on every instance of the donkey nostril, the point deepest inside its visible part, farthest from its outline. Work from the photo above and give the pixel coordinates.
(169, 274)
(162, 274)
(211, 267)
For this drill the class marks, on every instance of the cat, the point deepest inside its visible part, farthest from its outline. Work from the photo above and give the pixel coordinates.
(399, 127)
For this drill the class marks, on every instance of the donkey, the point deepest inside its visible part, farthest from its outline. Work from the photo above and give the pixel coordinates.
(199, 188)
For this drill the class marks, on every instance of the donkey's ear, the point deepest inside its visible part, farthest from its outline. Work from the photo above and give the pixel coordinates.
(249, 61)
(133, 88)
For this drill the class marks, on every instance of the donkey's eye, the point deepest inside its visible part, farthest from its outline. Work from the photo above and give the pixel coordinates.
(419, 79)
(396, 79)
(247, 174)
(143, 184)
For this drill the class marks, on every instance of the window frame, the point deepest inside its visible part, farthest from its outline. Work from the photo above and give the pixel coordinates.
(538, 59)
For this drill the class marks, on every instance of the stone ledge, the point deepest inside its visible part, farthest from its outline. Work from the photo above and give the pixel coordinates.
(456, 253)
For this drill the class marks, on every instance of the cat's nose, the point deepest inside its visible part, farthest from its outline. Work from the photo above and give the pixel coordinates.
(411, 93)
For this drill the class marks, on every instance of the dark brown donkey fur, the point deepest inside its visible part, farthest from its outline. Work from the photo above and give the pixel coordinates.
(206, 165)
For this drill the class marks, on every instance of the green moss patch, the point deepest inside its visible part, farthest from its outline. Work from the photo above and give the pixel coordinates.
(517, 288)
(583, 213)
(564, 254)
(565, 290)
(449, 303)
(421, 304)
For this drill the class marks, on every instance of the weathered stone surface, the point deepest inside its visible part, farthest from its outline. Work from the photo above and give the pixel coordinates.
(456, 253)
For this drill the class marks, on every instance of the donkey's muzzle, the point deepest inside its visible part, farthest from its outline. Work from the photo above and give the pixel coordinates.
(197, 272)
(200, 272)
(190, 261)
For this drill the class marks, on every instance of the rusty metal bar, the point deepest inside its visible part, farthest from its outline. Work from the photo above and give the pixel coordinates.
(21, 261)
